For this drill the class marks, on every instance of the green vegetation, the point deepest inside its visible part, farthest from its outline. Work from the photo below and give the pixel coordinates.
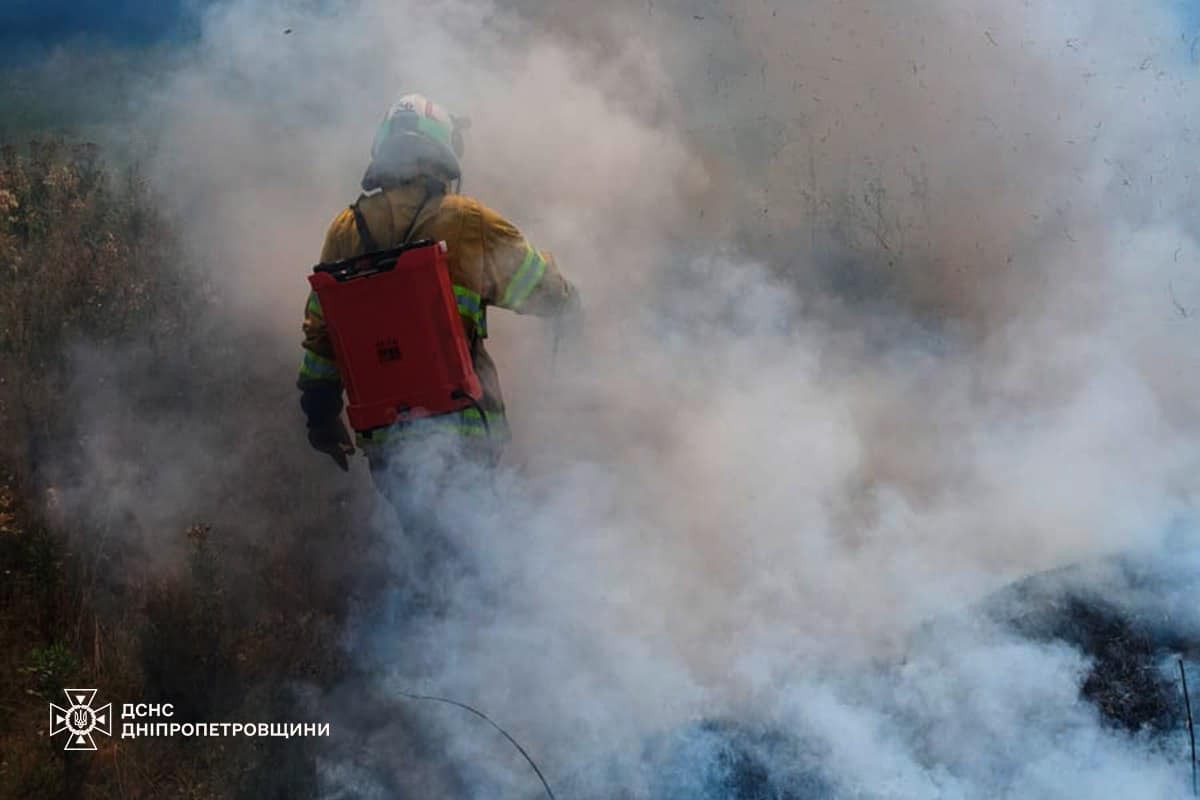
(50, 670)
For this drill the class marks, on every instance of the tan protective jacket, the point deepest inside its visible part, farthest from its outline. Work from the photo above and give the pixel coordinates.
(490, 263)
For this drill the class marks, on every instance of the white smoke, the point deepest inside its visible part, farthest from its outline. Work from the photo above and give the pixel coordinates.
(888, 304)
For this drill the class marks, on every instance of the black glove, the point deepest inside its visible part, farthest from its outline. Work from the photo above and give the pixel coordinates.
(322, 404)
(333, 439)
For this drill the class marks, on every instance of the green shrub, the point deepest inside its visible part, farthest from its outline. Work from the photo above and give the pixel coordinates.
(50, 670)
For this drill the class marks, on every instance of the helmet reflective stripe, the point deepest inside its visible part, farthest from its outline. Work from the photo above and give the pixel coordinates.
(442, 131)
(414, 112)
(415, 134)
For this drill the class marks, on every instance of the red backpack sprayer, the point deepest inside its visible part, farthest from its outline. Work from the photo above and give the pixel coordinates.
(397, 336)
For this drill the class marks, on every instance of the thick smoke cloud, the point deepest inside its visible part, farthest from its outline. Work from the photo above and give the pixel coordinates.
(889, 305)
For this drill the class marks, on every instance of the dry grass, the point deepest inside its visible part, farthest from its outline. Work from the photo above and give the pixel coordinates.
(83, 255)
(86, 256)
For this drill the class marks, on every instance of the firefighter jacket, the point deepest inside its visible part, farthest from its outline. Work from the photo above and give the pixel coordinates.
(490, 264)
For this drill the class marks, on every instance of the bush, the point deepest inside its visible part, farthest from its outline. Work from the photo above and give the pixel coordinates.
(50, 669)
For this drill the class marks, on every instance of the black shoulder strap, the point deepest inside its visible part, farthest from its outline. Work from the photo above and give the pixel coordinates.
(432, 189)
(364, 232)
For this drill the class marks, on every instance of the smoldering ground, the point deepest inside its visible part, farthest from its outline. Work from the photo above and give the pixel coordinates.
(888, 305)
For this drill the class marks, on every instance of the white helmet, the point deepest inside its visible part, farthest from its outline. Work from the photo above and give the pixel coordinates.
(416, 133)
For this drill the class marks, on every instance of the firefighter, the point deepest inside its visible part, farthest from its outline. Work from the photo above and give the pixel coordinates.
(409, 197)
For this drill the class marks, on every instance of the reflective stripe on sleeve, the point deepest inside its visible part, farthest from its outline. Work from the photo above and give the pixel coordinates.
(525, 279)
(315, 367)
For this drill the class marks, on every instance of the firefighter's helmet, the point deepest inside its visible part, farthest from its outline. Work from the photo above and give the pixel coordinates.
(415, 135)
